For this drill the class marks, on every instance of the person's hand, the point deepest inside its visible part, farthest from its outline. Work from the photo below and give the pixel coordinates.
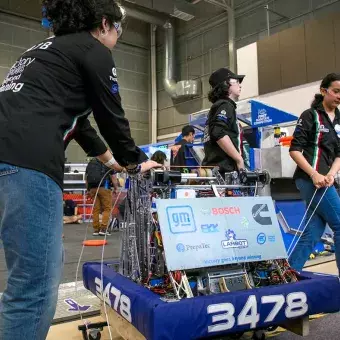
(329, 180)
(148, 165)
(240, 164)
(319, 180)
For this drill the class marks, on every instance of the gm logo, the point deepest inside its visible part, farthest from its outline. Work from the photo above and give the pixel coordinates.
(181, 219)
(180, 248)
(261, 238)
(257, 212)
(209, 228)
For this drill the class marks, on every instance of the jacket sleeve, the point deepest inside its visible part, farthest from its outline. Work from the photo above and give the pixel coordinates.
(86, 136)
(302, 133)
(221, 124)
(102, 89)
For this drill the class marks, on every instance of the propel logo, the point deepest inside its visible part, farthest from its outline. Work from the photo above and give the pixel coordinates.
(181, 248)
(257, 213)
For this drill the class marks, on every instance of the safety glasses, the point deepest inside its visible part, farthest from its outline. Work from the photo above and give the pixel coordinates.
(119, 29)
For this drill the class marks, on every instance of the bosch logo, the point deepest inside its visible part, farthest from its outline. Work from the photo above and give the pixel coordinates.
(258, 211)
(226, 211)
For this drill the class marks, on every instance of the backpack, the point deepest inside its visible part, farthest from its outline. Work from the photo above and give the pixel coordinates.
(95, 172)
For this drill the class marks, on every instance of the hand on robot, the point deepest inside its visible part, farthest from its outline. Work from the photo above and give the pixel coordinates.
(148, 165)
(240, 164)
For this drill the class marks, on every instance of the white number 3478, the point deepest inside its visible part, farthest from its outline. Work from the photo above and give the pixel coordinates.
(224, 317)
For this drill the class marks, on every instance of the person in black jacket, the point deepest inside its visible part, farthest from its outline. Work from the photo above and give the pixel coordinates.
(178, 153)
(44, 102)
(315, 149)
(222, 133)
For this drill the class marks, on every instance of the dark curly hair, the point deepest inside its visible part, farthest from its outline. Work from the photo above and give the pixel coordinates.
(71, 16)
(159, 157)
(325, 84)
(221, 91)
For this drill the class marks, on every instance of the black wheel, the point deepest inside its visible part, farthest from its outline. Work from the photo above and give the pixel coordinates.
(272, 328)
(259, 335)
(235, 336)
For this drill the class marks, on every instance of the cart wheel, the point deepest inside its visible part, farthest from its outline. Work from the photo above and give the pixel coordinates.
(272, 328)
(259, 335)
(95, 334)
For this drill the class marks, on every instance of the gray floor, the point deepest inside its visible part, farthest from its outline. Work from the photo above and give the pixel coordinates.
(326, 328)
(74, 234)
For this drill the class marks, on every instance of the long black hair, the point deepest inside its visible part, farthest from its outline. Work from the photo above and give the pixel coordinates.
(221, 91)
(325, 84)
(71, 16)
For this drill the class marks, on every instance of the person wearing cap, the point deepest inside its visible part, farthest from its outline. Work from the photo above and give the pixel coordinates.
(222, 133)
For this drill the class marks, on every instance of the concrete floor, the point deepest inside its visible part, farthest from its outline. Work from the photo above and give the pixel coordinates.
(74, 235)
(324, 328)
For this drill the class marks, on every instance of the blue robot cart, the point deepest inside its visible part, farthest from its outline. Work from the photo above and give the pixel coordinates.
(213, 315)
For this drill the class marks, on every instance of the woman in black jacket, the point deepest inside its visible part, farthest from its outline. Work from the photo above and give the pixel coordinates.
(315, 149)
(44, 102)
(222, 133)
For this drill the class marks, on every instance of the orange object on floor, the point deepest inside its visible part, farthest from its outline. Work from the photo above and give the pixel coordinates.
(94, 243)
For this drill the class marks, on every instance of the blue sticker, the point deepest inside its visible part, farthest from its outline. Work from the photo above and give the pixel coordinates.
(115, 88)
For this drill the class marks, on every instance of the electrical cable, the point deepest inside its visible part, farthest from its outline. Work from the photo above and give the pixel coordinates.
(102, 267)
(83, 247)
(292, 245)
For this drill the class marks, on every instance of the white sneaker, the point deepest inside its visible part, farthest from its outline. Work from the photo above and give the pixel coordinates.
(103, 233)
(95, 233)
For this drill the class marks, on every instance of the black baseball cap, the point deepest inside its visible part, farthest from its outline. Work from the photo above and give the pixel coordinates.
(223, 74)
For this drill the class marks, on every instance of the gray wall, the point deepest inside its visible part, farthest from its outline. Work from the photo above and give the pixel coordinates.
(203, 47)
(16, 36)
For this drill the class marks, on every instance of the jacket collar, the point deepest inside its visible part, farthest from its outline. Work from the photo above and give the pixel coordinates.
(321, 108)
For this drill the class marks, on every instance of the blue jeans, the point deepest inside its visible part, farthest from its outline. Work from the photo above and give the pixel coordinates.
(31, 221)
(328, 211)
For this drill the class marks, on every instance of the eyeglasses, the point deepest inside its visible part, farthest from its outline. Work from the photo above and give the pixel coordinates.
(119, 29)
(234, 82)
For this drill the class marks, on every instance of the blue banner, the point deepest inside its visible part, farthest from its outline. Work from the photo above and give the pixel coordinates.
(265, 115)
(213, 315)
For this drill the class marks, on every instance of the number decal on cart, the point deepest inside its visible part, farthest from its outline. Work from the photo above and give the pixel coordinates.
(223, 314)
(249, 315)
(228, 315)
(296, 305)
(278, 300)
(120, 300)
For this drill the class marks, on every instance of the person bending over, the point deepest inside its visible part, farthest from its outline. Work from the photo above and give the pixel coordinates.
(315, 149)
(49, 91)
(99, 178)
(222, 133)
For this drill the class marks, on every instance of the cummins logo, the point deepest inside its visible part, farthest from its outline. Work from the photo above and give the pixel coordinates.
(257, 213)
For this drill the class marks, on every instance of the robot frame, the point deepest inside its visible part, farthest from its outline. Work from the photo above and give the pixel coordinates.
(165, 301)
